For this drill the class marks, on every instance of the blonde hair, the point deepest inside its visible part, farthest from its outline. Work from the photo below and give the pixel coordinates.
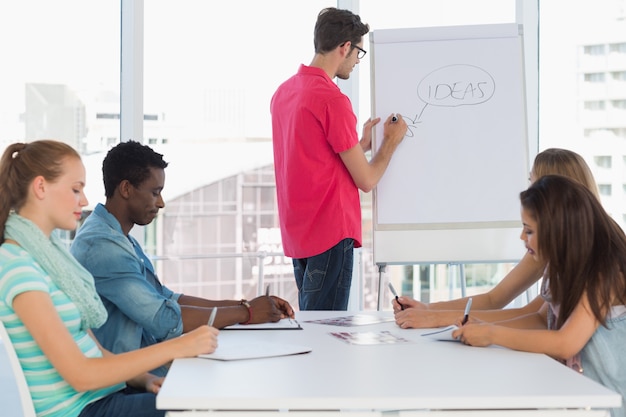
(21, 163)
(557, 161)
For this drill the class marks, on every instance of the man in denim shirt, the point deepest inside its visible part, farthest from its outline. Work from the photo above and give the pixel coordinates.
(141, 310)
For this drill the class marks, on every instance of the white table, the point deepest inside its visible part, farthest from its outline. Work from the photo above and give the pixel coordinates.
(424, 375)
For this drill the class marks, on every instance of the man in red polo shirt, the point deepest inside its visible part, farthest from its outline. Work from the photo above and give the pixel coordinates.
(320, 164)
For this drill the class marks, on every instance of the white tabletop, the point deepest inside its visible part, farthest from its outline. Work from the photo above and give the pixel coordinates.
(423, 374)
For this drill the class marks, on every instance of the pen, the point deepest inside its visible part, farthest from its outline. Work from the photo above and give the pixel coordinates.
(212, 317)
(393, 291)
(267, 290)
(394, 119)
(468, 306)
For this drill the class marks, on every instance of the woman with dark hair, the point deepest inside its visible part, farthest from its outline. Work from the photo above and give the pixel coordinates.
(410, 313)
(583, 318)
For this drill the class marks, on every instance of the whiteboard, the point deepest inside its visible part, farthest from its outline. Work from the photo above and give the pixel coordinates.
(451, 191)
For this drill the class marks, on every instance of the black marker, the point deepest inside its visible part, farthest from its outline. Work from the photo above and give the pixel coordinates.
(393, 291)
(468, 306)
(394, 119)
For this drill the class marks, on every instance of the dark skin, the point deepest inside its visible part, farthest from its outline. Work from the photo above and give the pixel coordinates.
(196, 311)
(139, 205)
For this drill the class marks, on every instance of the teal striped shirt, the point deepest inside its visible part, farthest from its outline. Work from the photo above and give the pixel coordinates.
(52, 396)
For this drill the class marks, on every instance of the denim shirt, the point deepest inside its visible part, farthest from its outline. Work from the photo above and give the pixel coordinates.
(141, 310)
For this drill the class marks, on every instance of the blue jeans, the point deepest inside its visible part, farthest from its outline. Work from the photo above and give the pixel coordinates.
(125, 403)
(324, 280)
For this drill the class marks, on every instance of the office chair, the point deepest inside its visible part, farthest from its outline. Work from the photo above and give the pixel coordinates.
(28, 410)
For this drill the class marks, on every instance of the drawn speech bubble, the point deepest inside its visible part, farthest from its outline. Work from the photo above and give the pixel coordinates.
(456, 85)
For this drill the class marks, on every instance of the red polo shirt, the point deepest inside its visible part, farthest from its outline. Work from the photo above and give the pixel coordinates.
(318, 202)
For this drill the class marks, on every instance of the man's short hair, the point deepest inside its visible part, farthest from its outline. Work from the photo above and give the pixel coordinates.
(129, 161)
(335, 27)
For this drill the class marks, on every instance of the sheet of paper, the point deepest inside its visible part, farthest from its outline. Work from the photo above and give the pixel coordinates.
(357, 320)
(237, 351)
(284, 324)
(369, 338)
(444, 333)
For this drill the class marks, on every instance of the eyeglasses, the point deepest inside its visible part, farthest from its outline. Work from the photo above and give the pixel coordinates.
(361, 52)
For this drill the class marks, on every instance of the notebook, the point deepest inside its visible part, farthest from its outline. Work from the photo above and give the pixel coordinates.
(283, 324)
(444, 333)
(237, 351)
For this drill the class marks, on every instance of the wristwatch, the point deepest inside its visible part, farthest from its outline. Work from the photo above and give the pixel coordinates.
(246, 304)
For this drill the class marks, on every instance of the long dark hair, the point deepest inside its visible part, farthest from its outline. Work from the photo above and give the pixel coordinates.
(584, 248)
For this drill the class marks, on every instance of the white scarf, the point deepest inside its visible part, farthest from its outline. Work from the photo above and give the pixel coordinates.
(64, 270)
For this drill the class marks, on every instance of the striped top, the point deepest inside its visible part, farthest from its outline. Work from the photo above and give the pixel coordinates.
(52, 396)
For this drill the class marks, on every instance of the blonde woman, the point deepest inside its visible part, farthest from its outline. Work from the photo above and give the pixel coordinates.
(489, 305)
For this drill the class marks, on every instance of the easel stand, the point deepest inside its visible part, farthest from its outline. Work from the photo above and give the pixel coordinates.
(381, 271)
(453, 268)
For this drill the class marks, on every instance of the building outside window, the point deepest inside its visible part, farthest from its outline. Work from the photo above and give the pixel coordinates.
(206, 108)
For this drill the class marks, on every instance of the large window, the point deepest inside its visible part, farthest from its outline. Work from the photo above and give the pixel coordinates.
(211, 67)
(209, 71)
(60, 71)
(212, 82)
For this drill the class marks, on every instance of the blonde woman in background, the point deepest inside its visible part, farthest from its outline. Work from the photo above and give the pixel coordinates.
(490, 305)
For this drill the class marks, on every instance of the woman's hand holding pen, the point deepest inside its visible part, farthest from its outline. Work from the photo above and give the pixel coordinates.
(416, 317)
(402, 303)
(198, 341)
(475, 332)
